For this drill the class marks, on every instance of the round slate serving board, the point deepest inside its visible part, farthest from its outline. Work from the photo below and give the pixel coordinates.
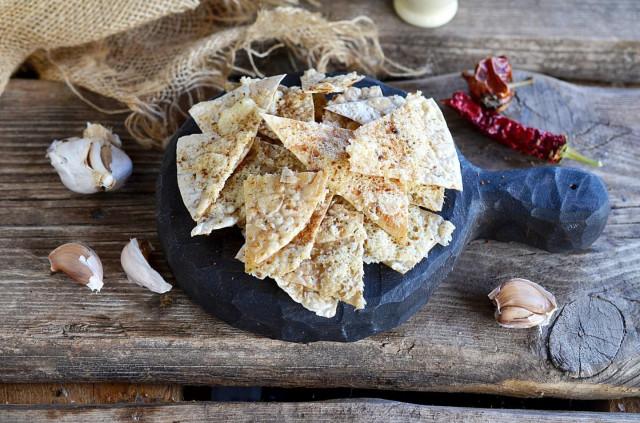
(554, 208)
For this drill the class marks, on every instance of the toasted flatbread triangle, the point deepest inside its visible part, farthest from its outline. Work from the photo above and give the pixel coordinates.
(314, 144)
(205, 161)
(320, 146)
(289, 257)
(316, 82)
(352, 94)
(411, 144)
(292, 103)
(426, 230)
(368, 110)
(428, 196)
(335, 269)
(294, 284)
(228, 209)
(261, 91)
(278, 207)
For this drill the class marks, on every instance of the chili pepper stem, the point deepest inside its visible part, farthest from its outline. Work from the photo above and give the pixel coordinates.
(570, 153)
(528, 81)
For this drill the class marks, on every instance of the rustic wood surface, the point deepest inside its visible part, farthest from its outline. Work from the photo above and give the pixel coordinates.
(53, 329)
(363, 411)
(88, 393)
(594, 40)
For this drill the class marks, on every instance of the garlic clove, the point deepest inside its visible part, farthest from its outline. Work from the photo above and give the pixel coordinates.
(521, 303)
(134, 262)
(79, 262)
(95, 130)
(88, 165)
(518, 317)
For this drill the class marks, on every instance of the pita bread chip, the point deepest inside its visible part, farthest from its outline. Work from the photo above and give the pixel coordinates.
(369, 110)
(319, 103)
(335, 268)
(428, 196)
(314, 144)
(320, 146)
(411, 144)
(382, 200)
(352, 94)
(316, 82)
(334, 119)
(425, 231)
(294, 285)
(262, 91)
(290, 103)
(228, 209)
(205, 161)
(289, 257)
(278, 207)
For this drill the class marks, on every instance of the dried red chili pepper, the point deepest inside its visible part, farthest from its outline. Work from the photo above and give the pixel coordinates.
(491, 84)
(532, 141)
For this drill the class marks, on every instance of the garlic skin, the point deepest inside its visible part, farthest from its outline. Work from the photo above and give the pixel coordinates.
(93, 163)
(134, 262)
(521, 303)
(79, 262)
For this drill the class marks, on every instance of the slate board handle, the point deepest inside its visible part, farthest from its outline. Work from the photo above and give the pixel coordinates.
(557, 209)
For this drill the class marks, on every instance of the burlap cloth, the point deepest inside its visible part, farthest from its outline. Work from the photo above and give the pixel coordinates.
(159, 57)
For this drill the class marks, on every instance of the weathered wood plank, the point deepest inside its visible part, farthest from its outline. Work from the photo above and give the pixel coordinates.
(87, 393)
(54, 330)
(594, 40)
(355, 410)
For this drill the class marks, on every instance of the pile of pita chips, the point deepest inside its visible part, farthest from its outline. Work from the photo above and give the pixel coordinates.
(321, 184)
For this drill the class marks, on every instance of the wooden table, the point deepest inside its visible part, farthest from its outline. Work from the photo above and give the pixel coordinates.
(55, 334)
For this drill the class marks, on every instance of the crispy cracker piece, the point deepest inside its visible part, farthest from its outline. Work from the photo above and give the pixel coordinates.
(277, 211)
(426, 229)
(334, 119)
(290, 103)
(228, 209)
(205, 161)
(368, 110)
(316, 82)
(335, 268)
(294, 284)
(428, 196)
(289, 257)
(319, 103)
(320, 146)
(411, 144)
(352, 94)
(207, 114)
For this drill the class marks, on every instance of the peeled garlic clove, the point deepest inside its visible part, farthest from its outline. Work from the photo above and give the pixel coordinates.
(521, 303)
(88, 165)
(79, 262)
(134, 262)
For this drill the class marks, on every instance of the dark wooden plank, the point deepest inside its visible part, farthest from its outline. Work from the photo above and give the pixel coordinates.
(596, 40)
(54, 330)
(88, 393)
(354, 410)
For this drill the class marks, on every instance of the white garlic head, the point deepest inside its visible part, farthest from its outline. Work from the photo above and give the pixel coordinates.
(521, 303)
(93, 163)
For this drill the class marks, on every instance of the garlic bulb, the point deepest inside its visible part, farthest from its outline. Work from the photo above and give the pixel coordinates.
(93, 163)
(79, 262)
(134, 260)
(521, 303)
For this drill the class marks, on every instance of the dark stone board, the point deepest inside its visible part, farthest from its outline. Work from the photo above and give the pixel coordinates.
(558, 209)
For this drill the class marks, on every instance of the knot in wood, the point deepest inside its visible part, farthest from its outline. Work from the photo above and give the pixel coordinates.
(586, 337)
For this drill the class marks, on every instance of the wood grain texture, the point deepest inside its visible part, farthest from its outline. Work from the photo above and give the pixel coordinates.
(353, 410)
(595, 40)
(53, 329)
(87, 393)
